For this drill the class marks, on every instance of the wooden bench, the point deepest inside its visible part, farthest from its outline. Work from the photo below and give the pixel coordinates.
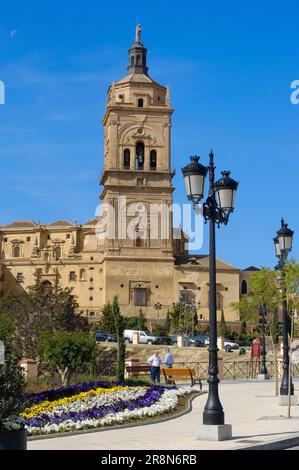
(173, 374)
(136, 371)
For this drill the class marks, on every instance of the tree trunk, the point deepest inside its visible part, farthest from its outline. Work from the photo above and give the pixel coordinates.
(275, 368)
(290, 367)
(66, 375)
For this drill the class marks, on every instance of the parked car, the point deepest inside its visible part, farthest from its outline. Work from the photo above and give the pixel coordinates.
(144, 337)
(189, 341)
(104, 336)
(200, 340)
(229, 344)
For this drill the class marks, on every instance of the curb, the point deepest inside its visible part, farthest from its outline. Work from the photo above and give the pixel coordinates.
(118, 426)
(275, 444)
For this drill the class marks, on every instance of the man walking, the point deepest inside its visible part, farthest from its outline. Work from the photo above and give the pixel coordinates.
(155, 362)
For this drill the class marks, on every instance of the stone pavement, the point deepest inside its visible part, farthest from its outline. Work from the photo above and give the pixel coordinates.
(250, 407)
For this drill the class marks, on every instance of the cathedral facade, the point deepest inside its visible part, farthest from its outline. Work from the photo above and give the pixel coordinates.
(130, 249)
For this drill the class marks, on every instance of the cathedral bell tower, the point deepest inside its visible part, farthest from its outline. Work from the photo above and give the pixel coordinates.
(137, 168)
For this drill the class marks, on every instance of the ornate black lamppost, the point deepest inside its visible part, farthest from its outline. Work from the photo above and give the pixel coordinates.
(264, 370)
(217, 212)
(283, 245)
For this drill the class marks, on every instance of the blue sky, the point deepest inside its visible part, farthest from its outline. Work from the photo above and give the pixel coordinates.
(229, 66)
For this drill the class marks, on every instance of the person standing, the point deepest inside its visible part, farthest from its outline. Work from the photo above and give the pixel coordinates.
(155, 362)
(168, 359)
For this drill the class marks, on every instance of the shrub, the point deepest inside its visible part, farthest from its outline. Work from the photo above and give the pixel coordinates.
(68, 352)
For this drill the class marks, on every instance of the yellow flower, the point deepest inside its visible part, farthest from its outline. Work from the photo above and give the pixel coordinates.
(47, 406)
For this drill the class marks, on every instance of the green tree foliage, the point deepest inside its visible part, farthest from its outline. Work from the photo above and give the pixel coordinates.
(222, 327)
(292, 285)
(12, 381)
(43, 308)
(160, 330)
(107, 322)
(263, 289)
(121, 345)
(131, 323)
(141, 324)
(69, 352)
(182, 318)
(167, 324)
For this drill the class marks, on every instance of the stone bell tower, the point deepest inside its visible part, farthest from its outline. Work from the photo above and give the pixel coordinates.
(137, 168)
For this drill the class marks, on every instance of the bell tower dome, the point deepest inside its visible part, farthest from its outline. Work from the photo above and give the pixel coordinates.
(137, 55)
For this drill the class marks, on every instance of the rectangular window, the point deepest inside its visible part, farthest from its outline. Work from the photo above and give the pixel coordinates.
(20, 277)
(73, 276)
(187, 295)
(141, 296)
(28, 239)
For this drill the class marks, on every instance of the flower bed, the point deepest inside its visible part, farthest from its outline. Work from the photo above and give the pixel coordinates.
(96, 404)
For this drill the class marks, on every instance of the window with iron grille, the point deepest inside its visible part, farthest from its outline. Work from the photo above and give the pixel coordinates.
(187, 296)
(141, 296)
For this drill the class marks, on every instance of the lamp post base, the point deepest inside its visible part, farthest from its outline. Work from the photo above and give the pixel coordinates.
(283, 400)
(214, 432)
(263, 377)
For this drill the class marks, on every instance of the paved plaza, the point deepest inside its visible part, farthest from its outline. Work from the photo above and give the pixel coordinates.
(250, 407)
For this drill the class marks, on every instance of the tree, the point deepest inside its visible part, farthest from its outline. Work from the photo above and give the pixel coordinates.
(141, 324)
(107, 321)
(222, 326)
(182, 318)
(68, 352)
(42, 308)
(12, 380)
(167, 324)
(121, 345)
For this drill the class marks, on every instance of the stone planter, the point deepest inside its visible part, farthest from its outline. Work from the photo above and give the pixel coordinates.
(13, 440)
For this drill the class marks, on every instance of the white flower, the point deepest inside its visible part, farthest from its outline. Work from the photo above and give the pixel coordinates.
(167, 401)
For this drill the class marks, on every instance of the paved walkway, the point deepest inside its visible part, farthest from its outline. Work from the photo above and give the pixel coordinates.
(250, 407)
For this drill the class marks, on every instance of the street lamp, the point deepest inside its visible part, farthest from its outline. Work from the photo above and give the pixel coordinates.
(262, 321)
(216, 210)
(283, 245)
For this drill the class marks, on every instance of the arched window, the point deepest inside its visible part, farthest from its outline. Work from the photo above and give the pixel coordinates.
(244, 288)
(82, 274)
(57, 251)
(16, 251)
(153, 159)
(140, 103)
(127, 159)
(138, 61)
(46, 284)
(139, 156)
(132, 60)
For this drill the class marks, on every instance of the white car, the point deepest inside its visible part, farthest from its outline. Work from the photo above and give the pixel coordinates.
(228, 344)
(144, 337)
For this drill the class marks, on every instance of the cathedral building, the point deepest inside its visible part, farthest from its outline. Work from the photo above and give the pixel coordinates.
(130, 250)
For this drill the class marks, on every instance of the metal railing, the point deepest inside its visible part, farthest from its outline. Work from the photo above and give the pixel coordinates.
(232, 370)
(238, 369)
